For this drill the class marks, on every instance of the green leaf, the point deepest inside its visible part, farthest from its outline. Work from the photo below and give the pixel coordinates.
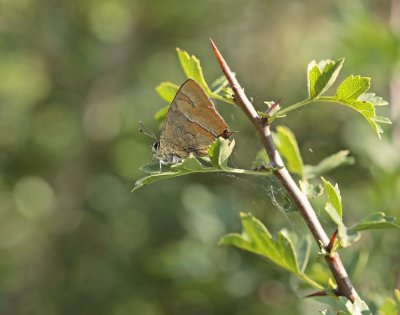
(219, 152)
(334, 198)
(221, 149)
(368, 111)
(288, 147)
(167, 91)
(351, 88)
(352, 93)
(374, 221)
(285, 252)
(327, 164)
(313, 74)
(257, 239)
(322, 75)
(156, 177)
(192, 69)
(372, 98)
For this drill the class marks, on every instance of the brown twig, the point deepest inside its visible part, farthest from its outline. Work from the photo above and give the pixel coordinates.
(262, 126)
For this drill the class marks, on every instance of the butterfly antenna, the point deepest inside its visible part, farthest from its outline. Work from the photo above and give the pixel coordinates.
(143, 129)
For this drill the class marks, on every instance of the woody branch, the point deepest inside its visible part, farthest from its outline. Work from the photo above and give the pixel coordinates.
(344, 286)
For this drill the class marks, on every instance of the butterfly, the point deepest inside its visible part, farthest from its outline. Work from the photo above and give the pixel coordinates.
(191, 125)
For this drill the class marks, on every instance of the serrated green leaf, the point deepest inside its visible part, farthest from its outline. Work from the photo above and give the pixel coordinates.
(313, 74)
(372, 98)
(352, 92)
(192, 69)
(351, 88)
(365, 108)
(167, 91)
(368, 111)
(322, 75)
(219, 152)
(327, 164)
(334, 198)
(257, 239)
(374, 221)
(155, 178)
(288, 147)
(186, 166)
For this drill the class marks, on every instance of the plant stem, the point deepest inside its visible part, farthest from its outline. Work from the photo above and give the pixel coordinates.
(307, 101)
(294, 106)
(262, 126)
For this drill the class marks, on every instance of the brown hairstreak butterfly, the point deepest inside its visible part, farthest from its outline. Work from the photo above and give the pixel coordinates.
(191, 125)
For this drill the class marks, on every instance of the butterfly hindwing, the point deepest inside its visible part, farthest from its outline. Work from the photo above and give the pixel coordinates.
(192, 123)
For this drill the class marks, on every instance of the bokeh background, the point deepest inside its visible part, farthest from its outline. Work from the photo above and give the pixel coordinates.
(76, 77)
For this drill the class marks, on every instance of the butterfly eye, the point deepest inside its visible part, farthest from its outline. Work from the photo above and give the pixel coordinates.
(155, 147)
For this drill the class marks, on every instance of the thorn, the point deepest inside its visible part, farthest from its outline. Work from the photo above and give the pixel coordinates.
(240, 97)
(323, 293)
(222, 62)
(332, 241)
(318, 293)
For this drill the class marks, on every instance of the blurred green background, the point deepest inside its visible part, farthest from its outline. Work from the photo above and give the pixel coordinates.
(76, 77)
